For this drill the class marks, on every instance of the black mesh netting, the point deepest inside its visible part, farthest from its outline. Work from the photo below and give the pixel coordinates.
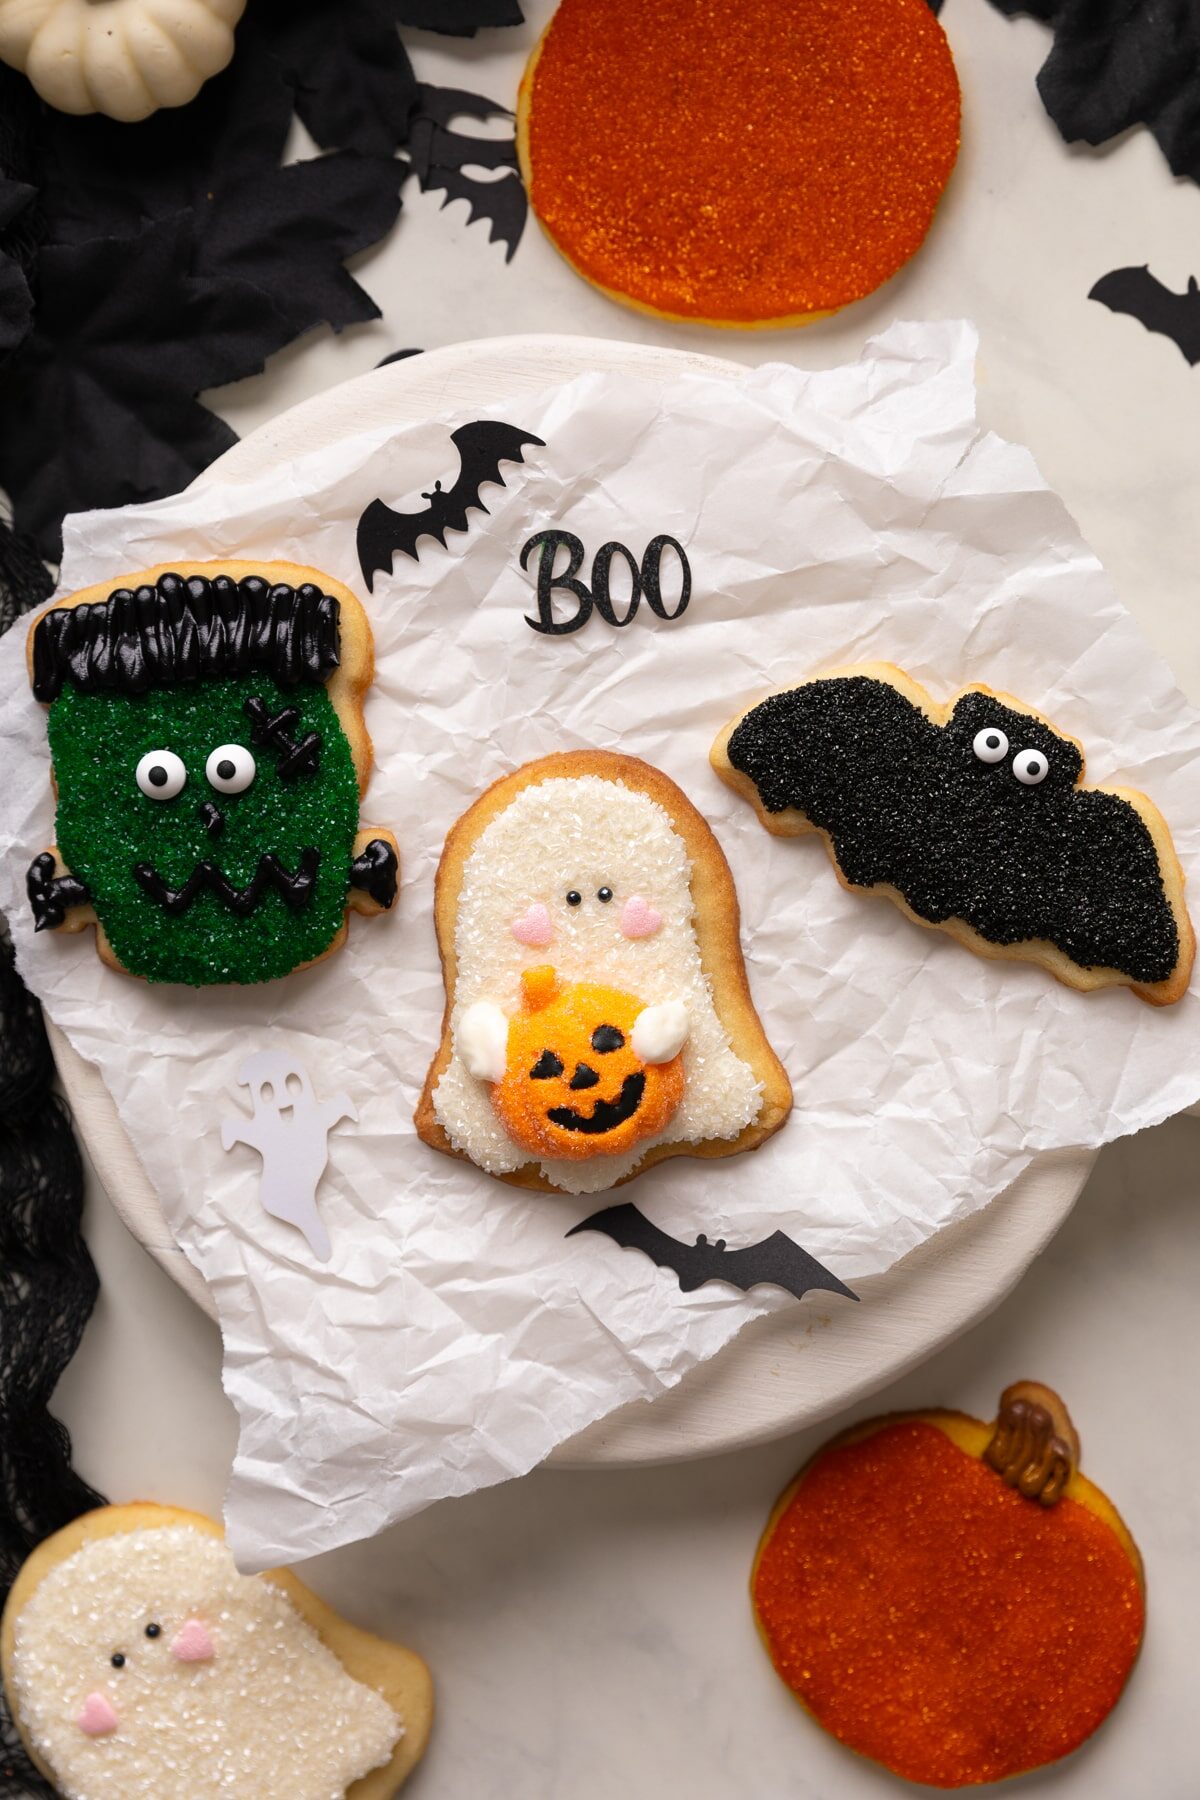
(47, 1289)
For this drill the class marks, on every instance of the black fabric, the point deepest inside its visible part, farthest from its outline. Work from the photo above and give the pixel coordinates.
(1117, 63)
(458, 18)
(48, 1287)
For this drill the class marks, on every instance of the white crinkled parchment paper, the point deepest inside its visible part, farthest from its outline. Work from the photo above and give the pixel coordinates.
(455, 1336)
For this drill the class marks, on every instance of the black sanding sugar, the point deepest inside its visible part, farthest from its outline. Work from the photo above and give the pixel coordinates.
(908, 802)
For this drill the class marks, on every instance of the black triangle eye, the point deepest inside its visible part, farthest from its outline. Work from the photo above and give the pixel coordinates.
(546, 1067)
(607, 1038)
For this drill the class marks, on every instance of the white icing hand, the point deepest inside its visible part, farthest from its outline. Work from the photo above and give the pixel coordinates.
(660, 1032)
(482, 1040)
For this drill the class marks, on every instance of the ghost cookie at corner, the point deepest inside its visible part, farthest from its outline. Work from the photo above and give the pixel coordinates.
(206, 728)
(138, 1664)
(742, 163)
(598, 1017)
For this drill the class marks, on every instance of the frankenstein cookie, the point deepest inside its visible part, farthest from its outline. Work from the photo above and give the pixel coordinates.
(973, 817)
(598, 1017)
(209, 751)
(744, 162)
(953, 1599)
(139, 1665)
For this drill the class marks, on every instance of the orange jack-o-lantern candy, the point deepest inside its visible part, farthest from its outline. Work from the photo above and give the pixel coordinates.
(953, 1599)
(744, 162)
(580, 1077)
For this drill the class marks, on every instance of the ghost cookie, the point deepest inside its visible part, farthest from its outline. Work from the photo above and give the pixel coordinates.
(598, 1017)
(206, 729)
(971, 816)
(139, 1665)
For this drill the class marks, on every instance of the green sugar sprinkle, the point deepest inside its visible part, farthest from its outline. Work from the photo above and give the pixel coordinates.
(106, 826)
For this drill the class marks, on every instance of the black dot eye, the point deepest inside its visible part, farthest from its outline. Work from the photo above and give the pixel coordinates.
(546, 1067)
(153, 1631)
(574, 898)
(604, 895)
(607, 1038)
(118, 1661)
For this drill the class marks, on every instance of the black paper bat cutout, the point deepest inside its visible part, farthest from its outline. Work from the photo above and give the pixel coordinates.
(1002, 837)
(482, 446)
(443, 158)
(1142, 295)
(776, 1261)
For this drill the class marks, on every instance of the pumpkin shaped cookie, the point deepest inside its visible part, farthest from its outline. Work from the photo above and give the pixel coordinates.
(952, 1599)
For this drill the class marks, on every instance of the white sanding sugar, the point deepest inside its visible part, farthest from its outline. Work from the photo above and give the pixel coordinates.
(273, 1711)
(583, 833)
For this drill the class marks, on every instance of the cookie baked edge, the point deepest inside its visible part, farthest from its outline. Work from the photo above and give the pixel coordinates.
(718, 935)
(1038, 951)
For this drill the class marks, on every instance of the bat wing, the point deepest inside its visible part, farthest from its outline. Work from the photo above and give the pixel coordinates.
(381, 532)
(1142, 296)
(776, 1260)
(632, 1230)
(482, 446)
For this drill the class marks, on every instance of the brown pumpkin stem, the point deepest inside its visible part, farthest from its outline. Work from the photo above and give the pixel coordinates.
(1034, 1447)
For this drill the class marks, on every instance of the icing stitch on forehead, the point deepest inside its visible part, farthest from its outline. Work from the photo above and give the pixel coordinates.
(145, 1667)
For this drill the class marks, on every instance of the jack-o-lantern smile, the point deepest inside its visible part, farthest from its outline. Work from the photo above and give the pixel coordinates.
(573, 1084)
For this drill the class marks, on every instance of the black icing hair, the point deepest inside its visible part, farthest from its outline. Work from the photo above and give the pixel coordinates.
(183, 629)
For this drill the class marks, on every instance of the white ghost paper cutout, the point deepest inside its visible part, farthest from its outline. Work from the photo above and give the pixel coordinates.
(290, 1131)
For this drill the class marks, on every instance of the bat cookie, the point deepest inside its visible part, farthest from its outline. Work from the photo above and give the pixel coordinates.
(139, 1664)
(598, 1017)
(206, 729)
(971, 817)
(951, 1598)
(482, 446)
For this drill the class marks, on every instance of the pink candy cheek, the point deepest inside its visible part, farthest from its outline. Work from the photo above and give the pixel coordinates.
(96, 1717)
(192, 1643)
(638, 918)
(533, 927)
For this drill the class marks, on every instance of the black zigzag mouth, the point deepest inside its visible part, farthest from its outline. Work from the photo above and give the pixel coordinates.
(606, 1115)
(296, 888)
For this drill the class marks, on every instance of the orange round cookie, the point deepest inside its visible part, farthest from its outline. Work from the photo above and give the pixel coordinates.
(740, 163)
(949, 1598)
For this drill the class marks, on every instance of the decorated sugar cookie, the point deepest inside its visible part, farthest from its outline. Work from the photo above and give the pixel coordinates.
(597, 1012)
(209, 751)
(952, 1599)
(787, 157)
(971, 816)
(139, 1665)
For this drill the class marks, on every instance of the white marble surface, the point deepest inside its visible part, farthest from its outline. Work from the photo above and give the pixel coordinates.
(589, 1632)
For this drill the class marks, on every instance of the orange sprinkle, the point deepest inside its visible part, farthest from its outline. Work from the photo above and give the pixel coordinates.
(933, 1619)
(740, 160)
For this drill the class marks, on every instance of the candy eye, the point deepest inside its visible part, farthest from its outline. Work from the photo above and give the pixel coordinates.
(604, 895)
(1030, 767)
(161, 774)
(574, 898)
(991, 745)
(230, 769)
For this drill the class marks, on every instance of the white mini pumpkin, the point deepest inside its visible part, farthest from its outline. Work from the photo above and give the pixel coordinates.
(125, 58)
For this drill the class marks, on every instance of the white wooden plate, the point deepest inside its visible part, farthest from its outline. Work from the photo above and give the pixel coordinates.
(798, 1365)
